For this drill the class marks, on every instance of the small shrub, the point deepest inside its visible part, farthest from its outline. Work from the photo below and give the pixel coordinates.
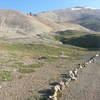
(51, 59)
(59, 95)
(17, 64)
(5, 76)
(22, 68)
(36, 65)
(26, 70)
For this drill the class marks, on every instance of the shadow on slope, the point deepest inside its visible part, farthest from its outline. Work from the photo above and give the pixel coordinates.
(91, 22)
(90, 42)
(93, 25)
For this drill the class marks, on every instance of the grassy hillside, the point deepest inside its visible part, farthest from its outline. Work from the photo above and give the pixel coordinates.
(25, 58)
(35, 49)
(78, 38)
(92, 24)
(16, 23)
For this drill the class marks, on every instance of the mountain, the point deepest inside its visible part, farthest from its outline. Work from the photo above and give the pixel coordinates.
(78, 18)
(14, 24)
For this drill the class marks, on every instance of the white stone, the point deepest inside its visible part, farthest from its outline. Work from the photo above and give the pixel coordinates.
(57, 88)
(71, 74)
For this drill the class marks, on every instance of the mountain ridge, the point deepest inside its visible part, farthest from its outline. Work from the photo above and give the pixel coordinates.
(16, 24)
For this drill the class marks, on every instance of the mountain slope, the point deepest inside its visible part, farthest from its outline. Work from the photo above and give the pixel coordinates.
(14, 24)
(72, 18)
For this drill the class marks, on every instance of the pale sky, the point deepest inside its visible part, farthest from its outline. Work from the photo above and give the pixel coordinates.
(36, 6)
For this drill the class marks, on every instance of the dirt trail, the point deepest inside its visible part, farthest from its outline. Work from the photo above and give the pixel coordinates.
(87, 87)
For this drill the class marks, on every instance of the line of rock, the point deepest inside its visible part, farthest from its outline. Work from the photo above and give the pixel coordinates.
(72, 75)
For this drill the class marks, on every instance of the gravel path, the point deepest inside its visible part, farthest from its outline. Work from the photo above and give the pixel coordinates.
(87, 87)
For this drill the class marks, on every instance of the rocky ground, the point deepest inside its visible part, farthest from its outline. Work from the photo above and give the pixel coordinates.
(31, 86)
(87, 87)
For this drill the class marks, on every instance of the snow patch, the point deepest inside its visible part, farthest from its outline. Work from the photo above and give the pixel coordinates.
(81, 8)
(90, 8)
(76, 8)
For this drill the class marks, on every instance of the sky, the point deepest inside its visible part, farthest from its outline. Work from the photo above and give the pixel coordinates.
(36, 6)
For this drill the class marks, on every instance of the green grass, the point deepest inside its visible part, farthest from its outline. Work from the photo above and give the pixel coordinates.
(26, 70)
(80, 39)
(15, 53)
(69, 34)
(18, 49)
(59, 95)
(50, 58)
(5, 76)
(86, 41)
(22, 68)
(91, 23)
(30, 68)
(17, 65)
(38, 65)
